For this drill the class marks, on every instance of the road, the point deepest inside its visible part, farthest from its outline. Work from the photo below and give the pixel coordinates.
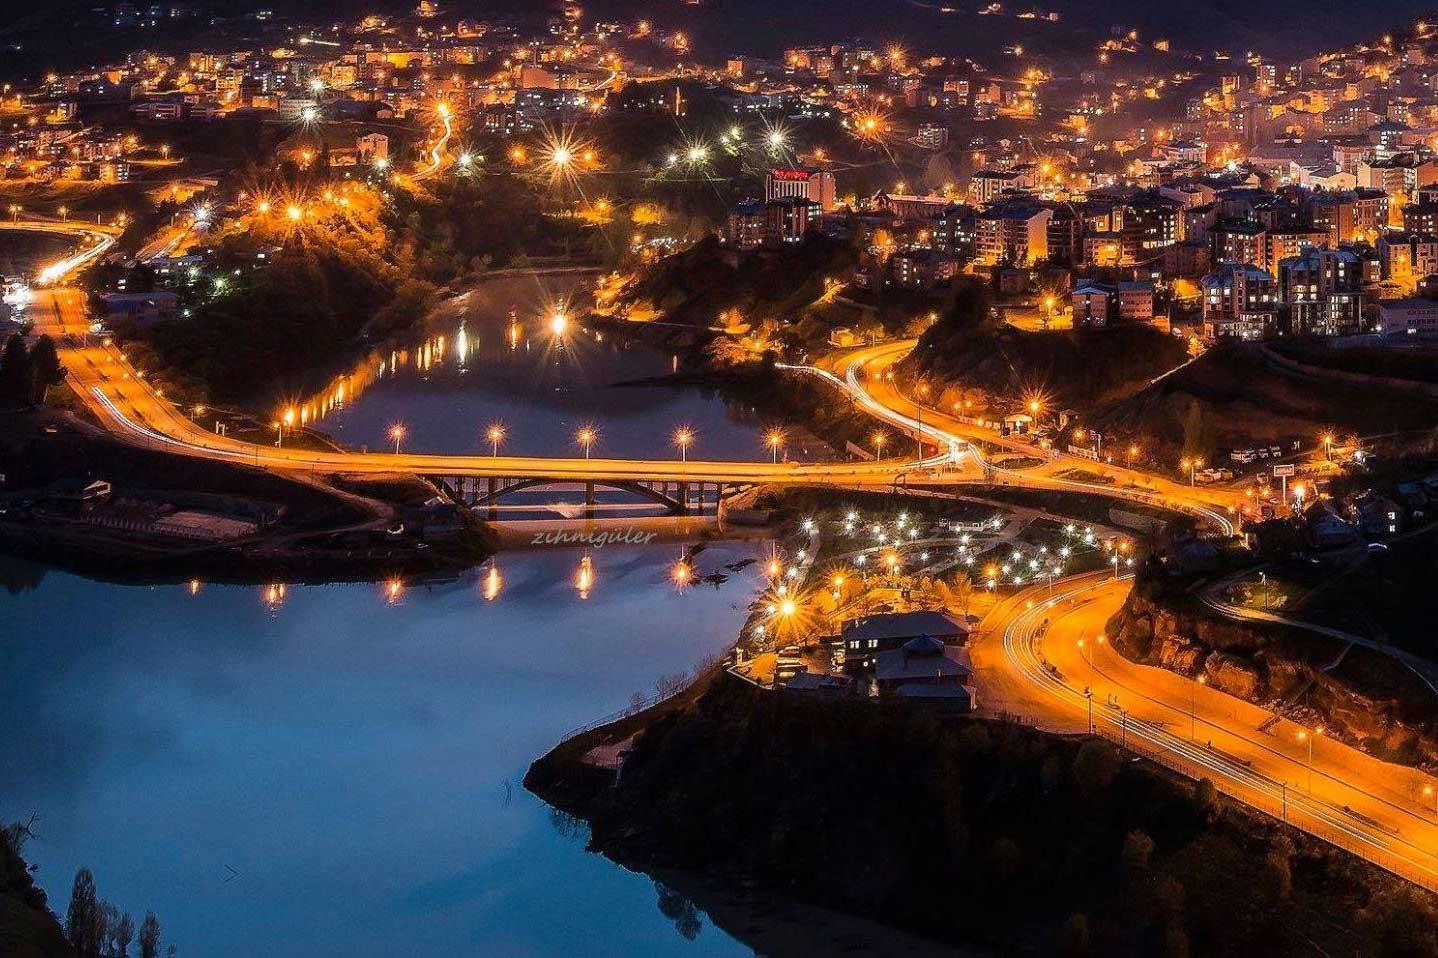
(97, 241)
(861, 374)
(1039, 652)
(121, 398)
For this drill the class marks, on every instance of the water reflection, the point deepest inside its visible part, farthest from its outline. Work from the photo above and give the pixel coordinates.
(353, 758)
(552, 392)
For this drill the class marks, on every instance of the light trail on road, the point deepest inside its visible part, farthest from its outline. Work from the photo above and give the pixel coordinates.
(1336, 823)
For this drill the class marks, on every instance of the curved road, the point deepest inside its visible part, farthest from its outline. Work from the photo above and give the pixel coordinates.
(1031, 663)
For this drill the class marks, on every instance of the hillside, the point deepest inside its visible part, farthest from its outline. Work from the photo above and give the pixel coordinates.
(28, 929)
(1070, 367)
(1237, 395)
(965, 832)
(693, 287)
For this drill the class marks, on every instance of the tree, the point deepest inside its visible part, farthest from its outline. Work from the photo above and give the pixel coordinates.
(124, 934)
(45, 368)
(1137, 851)
(107, 919)
(16, 382)
(1095, 766)
(150, 936)
(84, 911)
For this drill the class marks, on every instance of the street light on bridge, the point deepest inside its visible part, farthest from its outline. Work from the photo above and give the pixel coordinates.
(683, 436)
(774, 439)
(586, 438)
(879, 441)
(397, 432)
(495, 435)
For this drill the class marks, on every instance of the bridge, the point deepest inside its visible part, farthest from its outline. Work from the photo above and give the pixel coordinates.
(677, 498)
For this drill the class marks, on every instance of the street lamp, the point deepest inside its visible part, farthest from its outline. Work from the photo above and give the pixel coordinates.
(683, 436)
(1304, 736)
(64, 214)
(1328, 446)
(774, 439)
(1132, 451)
(1429, 792)
(1193, 706)
(586, 437)
(397, 433)
(878, 445)
(286, 420)
(495, 435)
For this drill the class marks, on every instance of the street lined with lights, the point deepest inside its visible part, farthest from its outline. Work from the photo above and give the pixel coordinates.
(1044, 656)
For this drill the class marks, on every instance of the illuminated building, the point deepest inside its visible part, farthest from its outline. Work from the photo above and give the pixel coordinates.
(816, 186)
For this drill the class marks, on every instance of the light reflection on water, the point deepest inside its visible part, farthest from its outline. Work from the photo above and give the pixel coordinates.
(496, 361)
(353, 752)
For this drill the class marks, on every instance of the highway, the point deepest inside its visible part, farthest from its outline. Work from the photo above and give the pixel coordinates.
(121, 398)
(97, 241)
(861, 374)
(1040, 658)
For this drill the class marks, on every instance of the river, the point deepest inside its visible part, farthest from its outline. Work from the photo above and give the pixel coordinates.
(336, 771)
(493, 357)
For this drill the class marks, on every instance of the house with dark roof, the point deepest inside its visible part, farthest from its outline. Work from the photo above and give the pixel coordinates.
(863, 639)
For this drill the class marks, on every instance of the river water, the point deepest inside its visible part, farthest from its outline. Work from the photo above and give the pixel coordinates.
(337, 771)
(494, 358)
(333, 770)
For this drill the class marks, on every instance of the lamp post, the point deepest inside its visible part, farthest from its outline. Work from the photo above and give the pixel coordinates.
(586, 437)
(1304, 736)
(878, 446)
(397, 433)
(495, 435)
(287, 419)
(774, 439)
(683, 436)
(1193, 706)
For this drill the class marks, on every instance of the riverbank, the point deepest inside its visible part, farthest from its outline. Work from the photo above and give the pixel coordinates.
(948, 830)
(78, 499)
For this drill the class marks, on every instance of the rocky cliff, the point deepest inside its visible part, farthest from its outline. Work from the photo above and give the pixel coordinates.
(1360, 695)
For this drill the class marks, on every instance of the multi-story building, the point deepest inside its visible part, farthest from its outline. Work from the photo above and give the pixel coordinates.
(1322, 291)
(1094, 304)
(1135, 301)
(754, 224)
(1239, 301)
(1406, 320)
(1406, 258)
(816, 186)
(1012, 234)
(922, 268)
(986, 186)
(952, 232)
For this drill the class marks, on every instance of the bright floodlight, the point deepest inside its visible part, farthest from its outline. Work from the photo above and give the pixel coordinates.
(558, 323)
